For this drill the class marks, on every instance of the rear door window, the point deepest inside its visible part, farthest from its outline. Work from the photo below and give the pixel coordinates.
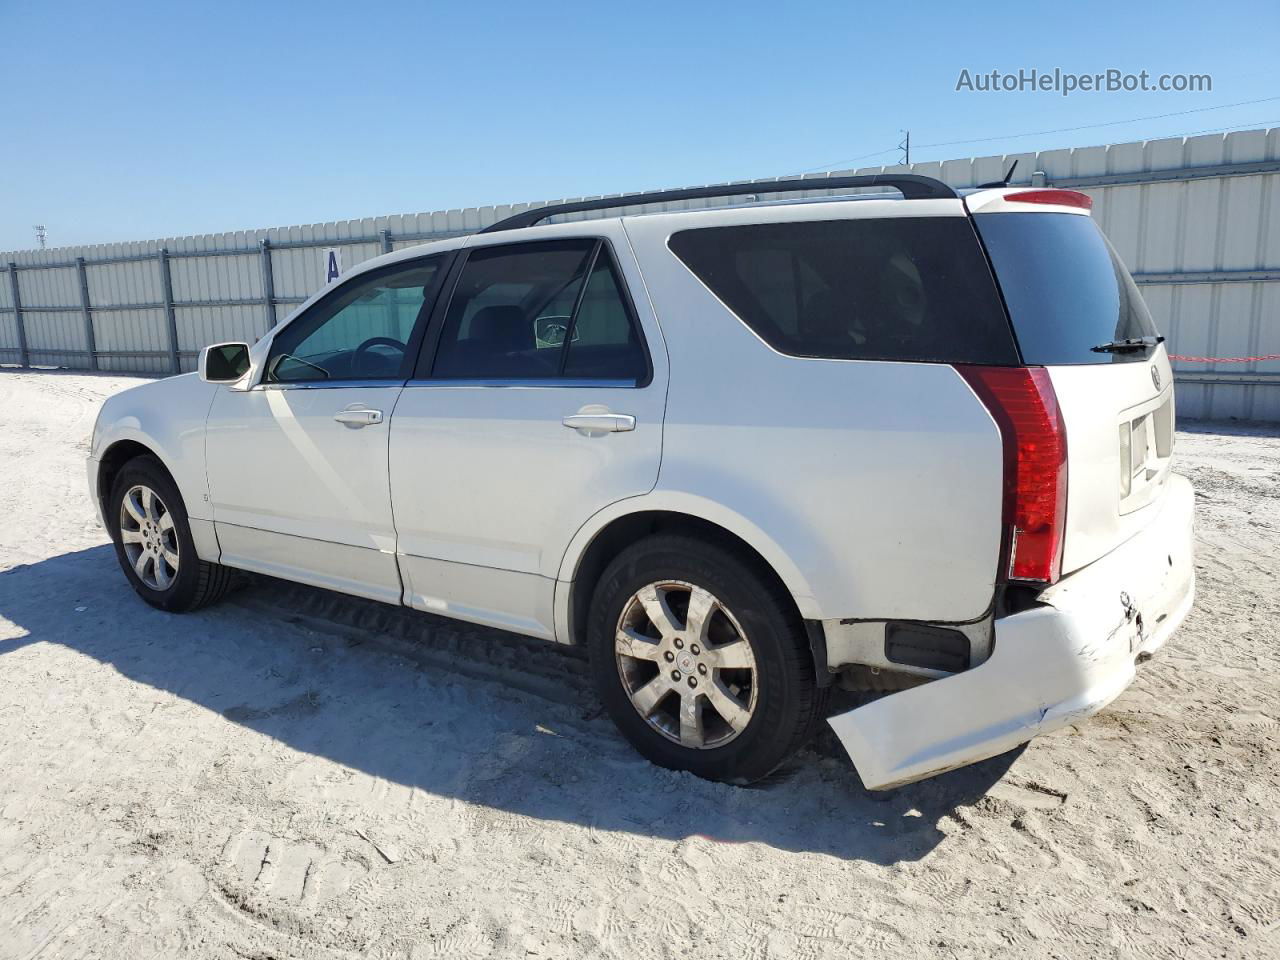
(1066, 289)
(604, 343)
(549, 310)
(902, 288)
(496, 326)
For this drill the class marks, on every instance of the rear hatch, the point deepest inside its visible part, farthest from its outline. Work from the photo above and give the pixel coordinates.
(1077, 312)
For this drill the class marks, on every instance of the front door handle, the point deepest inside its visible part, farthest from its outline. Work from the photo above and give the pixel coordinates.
(360, 417)
(601, 422)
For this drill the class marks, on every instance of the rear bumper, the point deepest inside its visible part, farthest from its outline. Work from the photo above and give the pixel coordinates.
(1051, 665)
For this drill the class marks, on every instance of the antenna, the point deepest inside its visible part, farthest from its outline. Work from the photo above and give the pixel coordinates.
(905, 147)
(41, 234)
(1008, 175)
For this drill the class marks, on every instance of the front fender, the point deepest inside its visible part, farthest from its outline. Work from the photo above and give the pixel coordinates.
(168, 418)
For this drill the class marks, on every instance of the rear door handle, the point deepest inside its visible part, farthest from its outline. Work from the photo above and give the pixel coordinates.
(358, 417)
(601, 422)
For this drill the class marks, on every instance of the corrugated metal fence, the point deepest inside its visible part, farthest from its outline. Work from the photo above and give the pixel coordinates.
(1197, 220)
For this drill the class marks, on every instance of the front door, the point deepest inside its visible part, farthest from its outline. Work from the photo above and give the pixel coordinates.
(298, 462)
(539, 407)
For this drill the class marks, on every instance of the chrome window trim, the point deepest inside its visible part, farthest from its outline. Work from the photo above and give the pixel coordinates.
(558, 383)
(329, 384)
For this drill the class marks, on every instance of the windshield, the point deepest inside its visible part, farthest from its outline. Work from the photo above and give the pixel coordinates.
(1066, 290)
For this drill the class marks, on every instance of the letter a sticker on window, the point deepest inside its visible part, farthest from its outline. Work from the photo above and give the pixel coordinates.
(332, 263)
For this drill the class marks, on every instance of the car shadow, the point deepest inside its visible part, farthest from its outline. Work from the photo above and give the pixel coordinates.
(457, 711)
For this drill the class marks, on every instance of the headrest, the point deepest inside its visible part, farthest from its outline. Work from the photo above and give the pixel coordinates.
(502, 324)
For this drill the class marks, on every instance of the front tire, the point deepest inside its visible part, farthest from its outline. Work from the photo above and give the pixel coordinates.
(701, 660)
(152, 537)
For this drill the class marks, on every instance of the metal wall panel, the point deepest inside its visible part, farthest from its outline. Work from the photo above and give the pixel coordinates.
(49, 334)
(132, 282)
(216, 278)
(132, 330)
(8, 323)
(49, 288)
(53, 337)
(1180, 237)
(201, 326)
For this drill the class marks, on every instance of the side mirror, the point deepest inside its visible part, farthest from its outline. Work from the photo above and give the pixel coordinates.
(224, 362)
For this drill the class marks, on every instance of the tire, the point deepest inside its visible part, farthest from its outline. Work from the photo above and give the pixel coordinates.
(715, 740)
(161, 532)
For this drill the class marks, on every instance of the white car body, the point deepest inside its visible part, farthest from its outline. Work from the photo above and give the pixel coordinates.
(873, 489)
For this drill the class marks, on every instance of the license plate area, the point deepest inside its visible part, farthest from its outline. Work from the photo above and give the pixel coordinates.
(1146, 454)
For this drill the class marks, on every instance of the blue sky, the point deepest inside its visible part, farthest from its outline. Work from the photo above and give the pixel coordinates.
(140, 120)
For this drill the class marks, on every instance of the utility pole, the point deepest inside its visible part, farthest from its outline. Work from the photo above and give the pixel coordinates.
(905, 147)
(41, 235)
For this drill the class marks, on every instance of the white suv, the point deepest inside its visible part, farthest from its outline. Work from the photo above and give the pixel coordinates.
(920, 446)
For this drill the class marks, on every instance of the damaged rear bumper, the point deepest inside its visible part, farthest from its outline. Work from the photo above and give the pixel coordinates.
(1051, 665)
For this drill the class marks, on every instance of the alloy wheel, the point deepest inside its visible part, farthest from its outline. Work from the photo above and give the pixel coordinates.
(686, 664)
(149, 537)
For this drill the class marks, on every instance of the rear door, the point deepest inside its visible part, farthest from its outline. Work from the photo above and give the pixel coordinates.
(538, 401)
(1076, 311)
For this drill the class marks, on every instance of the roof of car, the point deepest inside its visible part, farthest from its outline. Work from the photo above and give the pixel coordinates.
(905, 188)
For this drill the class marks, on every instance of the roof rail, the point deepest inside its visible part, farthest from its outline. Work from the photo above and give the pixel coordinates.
(913, 187)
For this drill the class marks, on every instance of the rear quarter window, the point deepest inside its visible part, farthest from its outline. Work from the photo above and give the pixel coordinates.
(901, 288)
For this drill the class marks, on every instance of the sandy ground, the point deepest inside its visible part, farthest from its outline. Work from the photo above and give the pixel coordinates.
(293, 774)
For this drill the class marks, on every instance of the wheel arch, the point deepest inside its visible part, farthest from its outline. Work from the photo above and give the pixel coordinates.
(112, 461)
(611, 531)
(123, 450)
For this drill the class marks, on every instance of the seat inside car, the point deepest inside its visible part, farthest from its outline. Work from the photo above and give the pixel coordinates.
(499, 343)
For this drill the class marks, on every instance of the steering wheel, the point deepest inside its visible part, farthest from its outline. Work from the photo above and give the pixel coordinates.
(357, 358)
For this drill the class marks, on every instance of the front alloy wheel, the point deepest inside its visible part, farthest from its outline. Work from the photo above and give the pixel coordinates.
(153, 543)
(149, 537)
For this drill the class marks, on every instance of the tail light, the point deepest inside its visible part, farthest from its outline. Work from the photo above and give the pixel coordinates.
(1022, 402)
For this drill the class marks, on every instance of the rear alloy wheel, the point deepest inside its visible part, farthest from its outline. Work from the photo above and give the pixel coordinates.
(686, 664)
(701, 659)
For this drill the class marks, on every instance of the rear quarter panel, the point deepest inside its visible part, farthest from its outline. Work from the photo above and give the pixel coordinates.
(879, 482)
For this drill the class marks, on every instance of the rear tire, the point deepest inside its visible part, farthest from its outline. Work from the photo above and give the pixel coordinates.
(702, 660)
(152, 536)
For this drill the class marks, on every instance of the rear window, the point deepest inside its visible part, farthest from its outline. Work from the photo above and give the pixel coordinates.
(1066, 289)
(902, 288)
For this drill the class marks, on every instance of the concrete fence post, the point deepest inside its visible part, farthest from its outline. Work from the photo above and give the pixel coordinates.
(171, 316)
(90, 341)
(23, 357)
